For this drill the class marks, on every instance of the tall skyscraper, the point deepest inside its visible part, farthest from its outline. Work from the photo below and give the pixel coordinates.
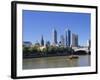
(89, 44)
(67, 37)
(74, 40)
(77, 40)
(42, 41)
(54, 37)
(62, 40)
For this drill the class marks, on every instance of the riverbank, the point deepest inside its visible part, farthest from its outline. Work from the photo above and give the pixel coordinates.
(51, 55)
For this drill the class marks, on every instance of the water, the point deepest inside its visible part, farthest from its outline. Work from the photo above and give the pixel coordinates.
(56, 62)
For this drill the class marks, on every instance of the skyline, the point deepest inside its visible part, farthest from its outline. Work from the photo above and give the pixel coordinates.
(38, 23)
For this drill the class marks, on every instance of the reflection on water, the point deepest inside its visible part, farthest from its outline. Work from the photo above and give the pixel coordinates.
(56, 62)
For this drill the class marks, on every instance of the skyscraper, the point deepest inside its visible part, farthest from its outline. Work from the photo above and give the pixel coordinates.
(47, 43)
(74, 40)
(42, 41)
(89, 44)
(62, 40)
(67, 37)
(54, 37)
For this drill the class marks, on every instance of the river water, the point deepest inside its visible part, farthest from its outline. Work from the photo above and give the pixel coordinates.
(56, 62)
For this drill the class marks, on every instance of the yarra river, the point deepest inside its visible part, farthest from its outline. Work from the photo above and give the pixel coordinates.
(56, 62)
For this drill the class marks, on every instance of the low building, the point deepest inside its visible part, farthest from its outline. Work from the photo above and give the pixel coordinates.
(42, 47)
(27, 44)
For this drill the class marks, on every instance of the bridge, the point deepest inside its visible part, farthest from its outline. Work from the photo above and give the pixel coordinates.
(76, 49)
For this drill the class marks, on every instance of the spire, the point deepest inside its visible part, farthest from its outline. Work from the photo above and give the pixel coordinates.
(42, 41)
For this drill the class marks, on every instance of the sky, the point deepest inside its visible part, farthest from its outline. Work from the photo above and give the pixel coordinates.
(38, 23)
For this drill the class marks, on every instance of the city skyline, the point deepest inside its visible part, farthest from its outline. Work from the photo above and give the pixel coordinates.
(45, 22)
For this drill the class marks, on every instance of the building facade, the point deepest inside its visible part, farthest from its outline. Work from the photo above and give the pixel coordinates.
(89, 44)
(54, 37)
(27, 44)
(47, 43)
(42, 41)
(74, 40)
(67, 38)
(62, 40)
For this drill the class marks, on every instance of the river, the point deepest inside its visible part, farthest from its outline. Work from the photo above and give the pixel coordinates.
(56, 62)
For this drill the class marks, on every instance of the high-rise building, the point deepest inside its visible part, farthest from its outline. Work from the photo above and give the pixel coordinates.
(62, 40)
(89, 44)
(77, 40)
(47, 43)
(54, 37)
(74, 40)
(42, 41)
(68, 37)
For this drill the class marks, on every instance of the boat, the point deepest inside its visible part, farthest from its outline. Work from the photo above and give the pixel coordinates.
(73, 57)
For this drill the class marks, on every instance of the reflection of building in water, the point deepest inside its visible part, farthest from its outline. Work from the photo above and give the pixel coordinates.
(72, 62)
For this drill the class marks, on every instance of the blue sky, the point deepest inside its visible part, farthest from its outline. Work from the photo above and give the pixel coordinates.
(38, 23)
